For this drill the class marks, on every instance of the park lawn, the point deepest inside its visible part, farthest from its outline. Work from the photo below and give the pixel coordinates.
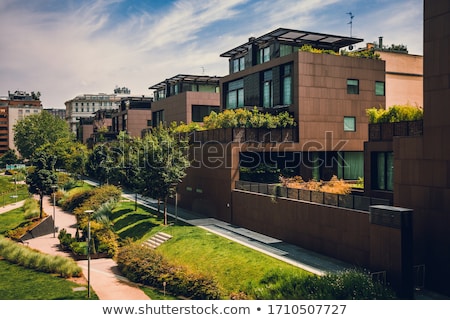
(12, 219)
(9, 190)
(20, 283)
(231, 264)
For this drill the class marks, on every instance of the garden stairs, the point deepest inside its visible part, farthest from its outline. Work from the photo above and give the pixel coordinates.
(157, 240)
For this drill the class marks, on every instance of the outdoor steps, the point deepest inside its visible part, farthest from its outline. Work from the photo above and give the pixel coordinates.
(157, 240)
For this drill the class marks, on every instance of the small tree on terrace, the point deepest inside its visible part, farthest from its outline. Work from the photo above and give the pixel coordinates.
(42, 176)
(163, 162)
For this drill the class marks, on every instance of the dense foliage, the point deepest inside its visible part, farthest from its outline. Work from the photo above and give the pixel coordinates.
(36, 130)
(244, 118)
(30, 258)
(395, 113)
(146, 266)
(367, 54)
(347, 285)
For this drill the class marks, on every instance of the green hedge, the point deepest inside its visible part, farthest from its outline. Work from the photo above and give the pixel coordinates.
(146, 266)
(395, 113)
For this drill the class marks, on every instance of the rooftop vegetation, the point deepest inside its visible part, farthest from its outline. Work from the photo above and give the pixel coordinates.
(367, 54)
(395, 113)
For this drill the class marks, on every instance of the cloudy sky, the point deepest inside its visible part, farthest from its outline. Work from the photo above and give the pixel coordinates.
(63, 48)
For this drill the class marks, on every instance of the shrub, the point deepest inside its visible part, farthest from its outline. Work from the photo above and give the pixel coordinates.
(346, 285)
(75, 200)
(31, 208)
(30, 258)
(335, 185)
(395, 113)
(146, 266)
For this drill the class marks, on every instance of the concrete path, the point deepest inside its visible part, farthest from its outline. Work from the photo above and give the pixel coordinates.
(106, 281)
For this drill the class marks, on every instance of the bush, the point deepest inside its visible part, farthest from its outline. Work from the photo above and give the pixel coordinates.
(30, 258)
(395, 113)
(146, 266)
(31, 208)
(346, 285)
(335, 185)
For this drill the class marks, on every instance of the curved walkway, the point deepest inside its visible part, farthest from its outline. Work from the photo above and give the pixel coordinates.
(106, 281)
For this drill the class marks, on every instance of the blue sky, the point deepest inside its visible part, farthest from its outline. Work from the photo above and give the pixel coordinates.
(64, 48)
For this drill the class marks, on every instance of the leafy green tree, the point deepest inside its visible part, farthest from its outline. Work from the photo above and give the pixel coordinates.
(9, 157)
(42, 176)
(38, 129)
(163, 161)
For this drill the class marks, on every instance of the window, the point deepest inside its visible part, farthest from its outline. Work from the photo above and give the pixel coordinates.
(352, 86)
(382, 170)
(349, 124)
(199, 112)
(267, 89)
(351, 165)
(286, 92)
(264, 55)
(379, 88)
(235, 95)
(158, 117)
(238, 64)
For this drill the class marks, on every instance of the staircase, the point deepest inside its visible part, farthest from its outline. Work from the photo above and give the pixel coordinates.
(157, 240)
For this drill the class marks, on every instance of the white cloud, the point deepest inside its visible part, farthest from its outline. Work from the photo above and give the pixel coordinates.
(87, 48)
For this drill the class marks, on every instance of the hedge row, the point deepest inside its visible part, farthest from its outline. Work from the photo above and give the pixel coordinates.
(144, 265)
(30, 258)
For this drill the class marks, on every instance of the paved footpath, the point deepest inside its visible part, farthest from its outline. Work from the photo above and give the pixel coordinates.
(106, 281)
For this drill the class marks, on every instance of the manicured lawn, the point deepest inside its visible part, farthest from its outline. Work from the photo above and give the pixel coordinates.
(9, 190)
(12, 219)
(232, 265)
(18, 283)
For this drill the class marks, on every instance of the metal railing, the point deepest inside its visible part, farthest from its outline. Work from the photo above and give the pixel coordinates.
(348, 201)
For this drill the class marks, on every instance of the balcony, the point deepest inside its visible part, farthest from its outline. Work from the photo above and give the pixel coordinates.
(387, 131)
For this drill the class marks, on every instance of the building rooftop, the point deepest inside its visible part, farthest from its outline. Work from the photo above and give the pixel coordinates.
(202, 79)
(298, 38)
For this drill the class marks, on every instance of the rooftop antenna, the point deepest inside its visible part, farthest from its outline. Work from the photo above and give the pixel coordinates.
(351, 22)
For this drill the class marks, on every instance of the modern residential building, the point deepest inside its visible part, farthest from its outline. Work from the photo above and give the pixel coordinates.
(185, 98)
(83, 106)
(13, 108)
(59, 113)
(133, 115)
(327, 94)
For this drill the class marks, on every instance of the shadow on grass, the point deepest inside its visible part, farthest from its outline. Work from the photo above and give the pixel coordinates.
(117, 214)
(130, 219)
(137, 231)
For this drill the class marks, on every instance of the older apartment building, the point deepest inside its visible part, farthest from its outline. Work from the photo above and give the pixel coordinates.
(13, 108)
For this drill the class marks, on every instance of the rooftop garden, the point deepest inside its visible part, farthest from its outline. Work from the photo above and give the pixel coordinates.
(395, 113)
(367, 54)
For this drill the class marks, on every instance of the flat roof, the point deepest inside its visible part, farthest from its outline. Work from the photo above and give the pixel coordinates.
(296, 37)
(186, 78)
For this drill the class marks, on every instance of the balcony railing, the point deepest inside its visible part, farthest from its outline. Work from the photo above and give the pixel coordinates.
(348, 201)
(387, 131)
(246, 135)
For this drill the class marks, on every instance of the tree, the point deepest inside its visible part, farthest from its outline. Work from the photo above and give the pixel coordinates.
(42, 176)
(163, 161)
(9, 157)
(38, 129)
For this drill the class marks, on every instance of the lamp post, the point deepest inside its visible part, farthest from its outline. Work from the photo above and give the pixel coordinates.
(54, 187)
(89, 213)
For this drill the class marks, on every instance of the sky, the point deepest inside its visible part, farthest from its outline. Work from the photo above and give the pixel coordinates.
(64, 48)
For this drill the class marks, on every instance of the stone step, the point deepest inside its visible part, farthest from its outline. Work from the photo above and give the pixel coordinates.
(157, 239)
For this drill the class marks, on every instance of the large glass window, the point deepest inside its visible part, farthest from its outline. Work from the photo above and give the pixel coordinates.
(268, 90)
(235, 95)
(379, 88)
(158, 117)
(264, 55)
(351, 165)
(383, 171)
(199, 112)
(352, 86)
(286, 91)
(238, 64)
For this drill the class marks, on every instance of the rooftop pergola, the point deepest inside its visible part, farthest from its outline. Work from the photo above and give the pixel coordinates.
(296, 38)
(202, 79)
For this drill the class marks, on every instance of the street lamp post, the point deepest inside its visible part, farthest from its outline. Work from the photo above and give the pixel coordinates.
(54, 187)
(89, 212)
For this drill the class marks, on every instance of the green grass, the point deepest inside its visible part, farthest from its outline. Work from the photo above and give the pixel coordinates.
(232, 265)
(8, 190)
(12, 219)
(19, 283)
